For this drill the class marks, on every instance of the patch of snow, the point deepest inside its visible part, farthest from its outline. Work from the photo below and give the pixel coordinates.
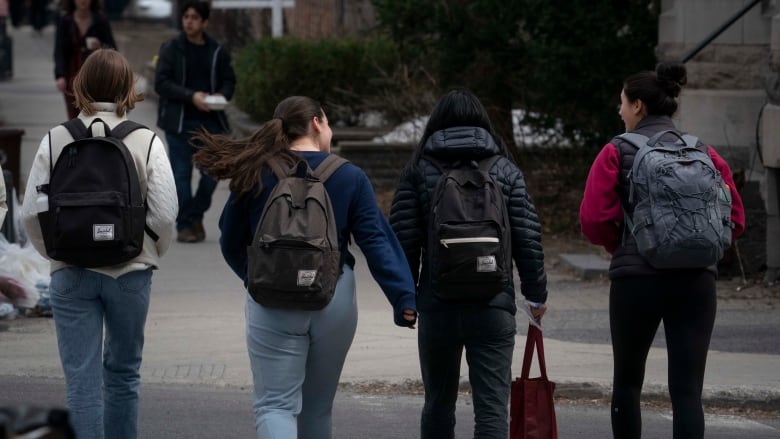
(411, 131)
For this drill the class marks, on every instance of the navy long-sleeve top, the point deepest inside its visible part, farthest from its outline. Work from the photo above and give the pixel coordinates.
(357, 214)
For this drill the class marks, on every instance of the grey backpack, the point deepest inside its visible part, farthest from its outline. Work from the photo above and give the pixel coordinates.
(682, 207)
(294, 259)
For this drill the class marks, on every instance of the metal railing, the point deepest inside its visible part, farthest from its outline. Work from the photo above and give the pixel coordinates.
(720, 30)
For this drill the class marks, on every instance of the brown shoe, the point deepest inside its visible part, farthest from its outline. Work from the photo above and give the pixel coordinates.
(186, 235)
(199, 231)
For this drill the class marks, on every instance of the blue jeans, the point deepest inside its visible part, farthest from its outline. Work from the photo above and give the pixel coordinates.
(296, 359)
(102, 398)
(488, 335)
(191, 208)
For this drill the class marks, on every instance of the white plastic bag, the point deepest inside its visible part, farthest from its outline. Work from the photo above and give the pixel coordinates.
(21, 268)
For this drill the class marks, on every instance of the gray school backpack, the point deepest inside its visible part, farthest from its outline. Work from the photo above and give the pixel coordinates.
(294, 259)
(682, 213)
(469, 236)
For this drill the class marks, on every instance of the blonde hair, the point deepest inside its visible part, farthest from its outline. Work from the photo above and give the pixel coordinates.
(106, 76)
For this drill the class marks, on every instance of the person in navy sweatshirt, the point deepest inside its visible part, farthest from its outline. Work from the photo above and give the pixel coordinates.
(640, 295)
(296, 356)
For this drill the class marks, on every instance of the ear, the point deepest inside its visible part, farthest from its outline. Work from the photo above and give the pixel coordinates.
(316, 124)
(639, 108)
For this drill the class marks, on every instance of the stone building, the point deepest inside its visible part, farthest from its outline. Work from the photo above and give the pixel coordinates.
(732, 101)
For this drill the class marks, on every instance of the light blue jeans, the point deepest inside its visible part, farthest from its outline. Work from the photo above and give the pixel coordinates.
(102, 399)
(296, 359)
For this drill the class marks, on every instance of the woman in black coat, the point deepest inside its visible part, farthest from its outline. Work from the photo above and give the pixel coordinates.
(459, 131)
(80, 31)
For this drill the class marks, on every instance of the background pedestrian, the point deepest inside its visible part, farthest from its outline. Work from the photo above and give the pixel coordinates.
(80, 31)
(191, 68)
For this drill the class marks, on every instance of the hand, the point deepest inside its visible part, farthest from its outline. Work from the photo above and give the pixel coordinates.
(538, 312)
(410, 315)
(198, 100)
(61, 84)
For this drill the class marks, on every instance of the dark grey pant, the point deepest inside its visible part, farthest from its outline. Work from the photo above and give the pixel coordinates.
(488, 336)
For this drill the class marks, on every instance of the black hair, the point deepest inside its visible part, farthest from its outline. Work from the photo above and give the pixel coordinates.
(658, 90)
(201, 7)
(458, 108)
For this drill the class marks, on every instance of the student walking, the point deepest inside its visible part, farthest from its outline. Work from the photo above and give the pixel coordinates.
(459, 135)
(642, 296)
(80, 31)
(296, 354)
(102, 375)
(192, 68)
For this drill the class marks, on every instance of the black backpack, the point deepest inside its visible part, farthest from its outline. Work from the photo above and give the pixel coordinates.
(294, 259)
(469, 238)
(96, 213)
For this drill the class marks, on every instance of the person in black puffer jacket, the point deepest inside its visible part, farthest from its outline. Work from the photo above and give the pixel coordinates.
(459, 129)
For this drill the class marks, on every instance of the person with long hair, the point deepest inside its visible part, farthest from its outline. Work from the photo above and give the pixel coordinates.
(296, 356)
(82, 29)
(641, 296)
(459, 130)
(102, 375)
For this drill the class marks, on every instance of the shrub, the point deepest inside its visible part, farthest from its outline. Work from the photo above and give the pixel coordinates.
(338, 72)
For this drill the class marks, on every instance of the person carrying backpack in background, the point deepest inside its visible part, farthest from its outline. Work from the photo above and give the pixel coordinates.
(102, 377)
(297, 353)
(192, 68)
(641, 295)
(459, 142)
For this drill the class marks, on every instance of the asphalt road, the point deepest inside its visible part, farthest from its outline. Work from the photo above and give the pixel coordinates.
(179, 412)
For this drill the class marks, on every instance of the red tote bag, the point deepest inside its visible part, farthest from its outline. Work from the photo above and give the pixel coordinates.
(531, 405)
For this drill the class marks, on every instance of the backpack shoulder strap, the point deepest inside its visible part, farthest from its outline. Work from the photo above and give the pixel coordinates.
(691, 141)
(125, 128)
(278, 169)
(435, 162)
(76, 128)
(328, 166)
(634, 139)
(487, 163)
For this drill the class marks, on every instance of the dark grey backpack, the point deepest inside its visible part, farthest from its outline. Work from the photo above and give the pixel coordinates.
(294, 259)
(469, 237)
(682, 213)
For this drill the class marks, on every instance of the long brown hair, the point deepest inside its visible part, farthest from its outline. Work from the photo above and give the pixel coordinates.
(242, 160)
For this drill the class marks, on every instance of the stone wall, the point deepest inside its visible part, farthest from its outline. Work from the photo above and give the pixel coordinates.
(329, 18)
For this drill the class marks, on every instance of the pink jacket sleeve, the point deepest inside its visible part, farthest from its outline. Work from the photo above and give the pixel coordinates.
(737, 208)
(600, 210)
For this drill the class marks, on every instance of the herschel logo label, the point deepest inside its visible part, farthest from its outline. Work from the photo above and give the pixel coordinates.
(102, 232)
(486, 264)
(306, 277)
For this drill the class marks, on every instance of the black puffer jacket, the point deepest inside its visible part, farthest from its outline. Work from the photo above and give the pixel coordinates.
(411, 204)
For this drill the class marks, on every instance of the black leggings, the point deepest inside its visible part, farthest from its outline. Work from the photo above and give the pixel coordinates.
(686, 303)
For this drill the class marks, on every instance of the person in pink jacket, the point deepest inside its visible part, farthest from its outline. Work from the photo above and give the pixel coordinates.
(642, 296)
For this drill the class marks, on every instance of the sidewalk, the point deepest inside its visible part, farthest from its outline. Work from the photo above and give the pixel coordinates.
(195, 329)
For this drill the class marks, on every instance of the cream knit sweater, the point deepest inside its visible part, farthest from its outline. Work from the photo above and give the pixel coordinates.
(156, 180)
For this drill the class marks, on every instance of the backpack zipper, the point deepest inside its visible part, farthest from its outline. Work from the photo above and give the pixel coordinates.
(447, 241)
(71, 157)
